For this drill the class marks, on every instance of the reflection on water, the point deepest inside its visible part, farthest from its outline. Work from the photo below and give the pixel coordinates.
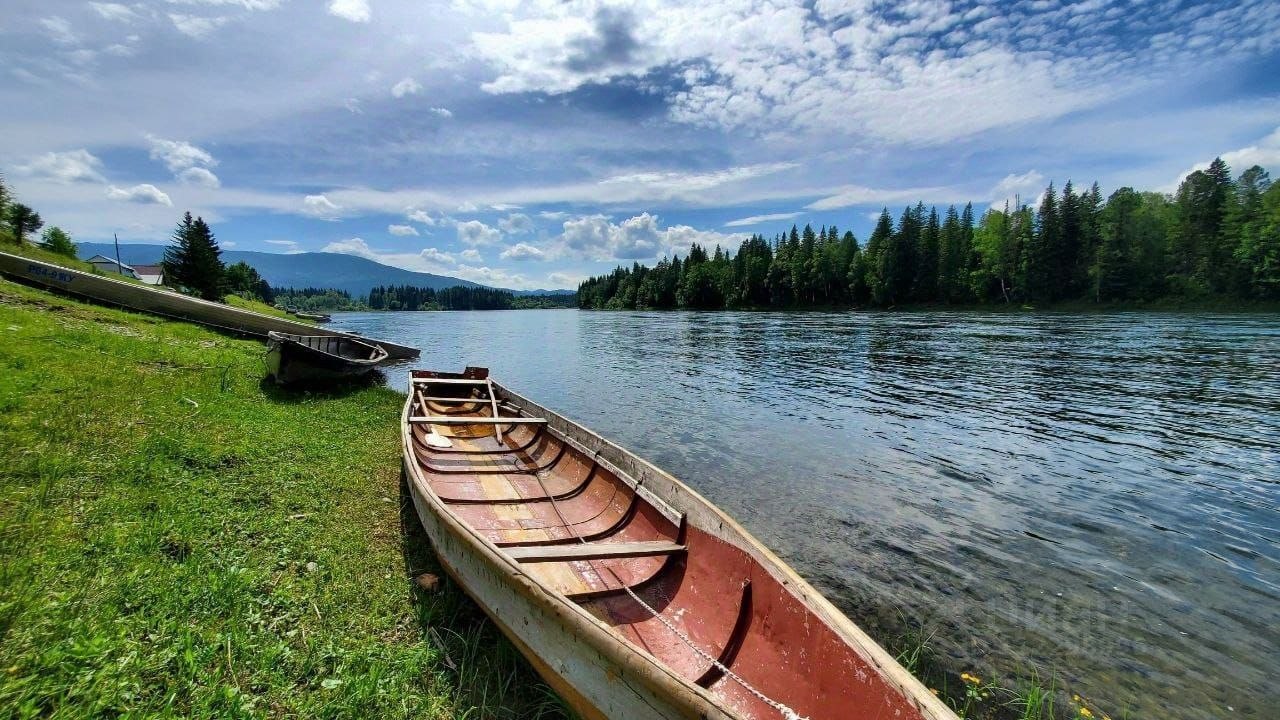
(1094, 494)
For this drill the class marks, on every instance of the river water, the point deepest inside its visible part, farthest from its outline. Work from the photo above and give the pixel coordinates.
(1096, 495)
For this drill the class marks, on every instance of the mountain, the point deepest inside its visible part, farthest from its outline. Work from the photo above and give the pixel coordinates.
(356, 275)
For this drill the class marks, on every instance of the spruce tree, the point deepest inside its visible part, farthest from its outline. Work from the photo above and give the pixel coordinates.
(193, 261)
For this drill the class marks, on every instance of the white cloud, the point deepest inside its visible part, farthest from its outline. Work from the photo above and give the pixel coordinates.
(421, 216)
(353, 106)
(144, 194)
(59, 30)
(759, 219)
(562, 280)
(1265, 152)
(289, 246)
(319, 206)
(523, 251)
(474, 232)
(114, 11)
(860, 195)
(515, 224)
(199, 176)
(437, 257)
(407, 86)
(353, 246)
(1016, 188)
(911, 73)
(596, 237)
(197, 26)
(178, 155)
(402, 230)
(471, 255)
(353, 10)
(66, 167)
(441, 112)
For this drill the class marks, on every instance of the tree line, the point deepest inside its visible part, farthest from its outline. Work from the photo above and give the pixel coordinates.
(409, 297)
(311, 298)
(1214, 237)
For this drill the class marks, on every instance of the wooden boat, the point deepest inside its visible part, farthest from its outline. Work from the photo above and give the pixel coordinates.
(630, 594)
(311, 358)
(159, 301)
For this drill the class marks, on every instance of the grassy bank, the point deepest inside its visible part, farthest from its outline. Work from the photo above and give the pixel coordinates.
(177, 538)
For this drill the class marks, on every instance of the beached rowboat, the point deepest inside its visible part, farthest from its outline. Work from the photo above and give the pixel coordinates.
(631, 595)
(312, 358)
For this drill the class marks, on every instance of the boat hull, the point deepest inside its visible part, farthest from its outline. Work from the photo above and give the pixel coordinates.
(597, 685)
(148, 299)
(289, 361)
(598, 668)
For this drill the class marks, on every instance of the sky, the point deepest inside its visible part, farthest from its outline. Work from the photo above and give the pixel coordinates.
(532, 144)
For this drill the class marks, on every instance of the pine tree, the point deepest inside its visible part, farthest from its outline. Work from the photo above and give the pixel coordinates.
(23, 221)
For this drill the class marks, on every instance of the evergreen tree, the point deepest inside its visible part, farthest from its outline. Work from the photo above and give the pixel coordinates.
(23, 221)
(950, 262)
(56, 240)
(925, 288)
(193, 262)
(1042, 267)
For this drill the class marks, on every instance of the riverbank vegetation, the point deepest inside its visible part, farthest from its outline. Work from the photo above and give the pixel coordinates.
(1216, 238)
(408, 297)
(179, 539)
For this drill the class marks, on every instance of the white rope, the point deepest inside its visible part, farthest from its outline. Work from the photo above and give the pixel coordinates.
(786, 712)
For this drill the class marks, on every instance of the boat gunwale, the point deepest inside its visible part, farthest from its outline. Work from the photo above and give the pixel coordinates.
(605, 639)
(380, 353)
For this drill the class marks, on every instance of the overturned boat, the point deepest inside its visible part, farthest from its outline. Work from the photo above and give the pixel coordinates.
(317, 358)
(632, 595)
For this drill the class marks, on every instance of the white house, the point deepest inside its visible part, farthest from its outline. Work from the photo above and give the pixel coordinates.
(102, 263)
(149, 274)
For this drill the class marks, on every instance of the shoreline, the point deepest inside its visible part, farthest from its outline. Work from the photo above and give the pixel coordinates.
(247, 454)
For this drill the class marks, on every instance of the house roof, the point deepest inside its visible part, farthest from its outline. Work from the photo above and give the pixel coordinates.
(149, 269)
(105, 259)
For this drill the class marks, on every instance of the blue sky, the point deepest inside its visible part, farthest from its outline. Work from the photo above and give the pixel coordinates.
(531, 144)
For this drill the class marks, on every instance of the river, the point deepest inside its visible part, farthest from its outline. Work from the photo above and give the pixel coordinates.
(1096, 495)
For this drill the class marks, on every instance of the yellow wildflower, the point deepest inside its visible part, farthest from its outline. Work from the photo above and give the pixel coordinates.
(971, 678)
(1086, 712)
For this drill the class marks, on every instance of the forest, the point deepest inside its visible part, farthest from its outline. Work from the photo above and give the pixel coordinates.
(408, 297)
(1215, 237)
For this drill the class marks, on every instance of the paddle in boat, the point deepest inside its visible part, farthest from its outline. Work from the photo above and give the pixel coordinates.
(314, 358)
(632, 596)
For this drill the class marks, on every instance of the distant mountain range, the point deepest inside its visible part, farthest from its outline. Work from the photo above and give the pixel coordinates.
(355, 275)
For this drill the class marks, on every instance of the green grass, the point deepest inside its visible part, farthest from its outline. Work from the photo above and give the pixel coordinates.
(35, 252)
(179, 539)
(261, 307)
